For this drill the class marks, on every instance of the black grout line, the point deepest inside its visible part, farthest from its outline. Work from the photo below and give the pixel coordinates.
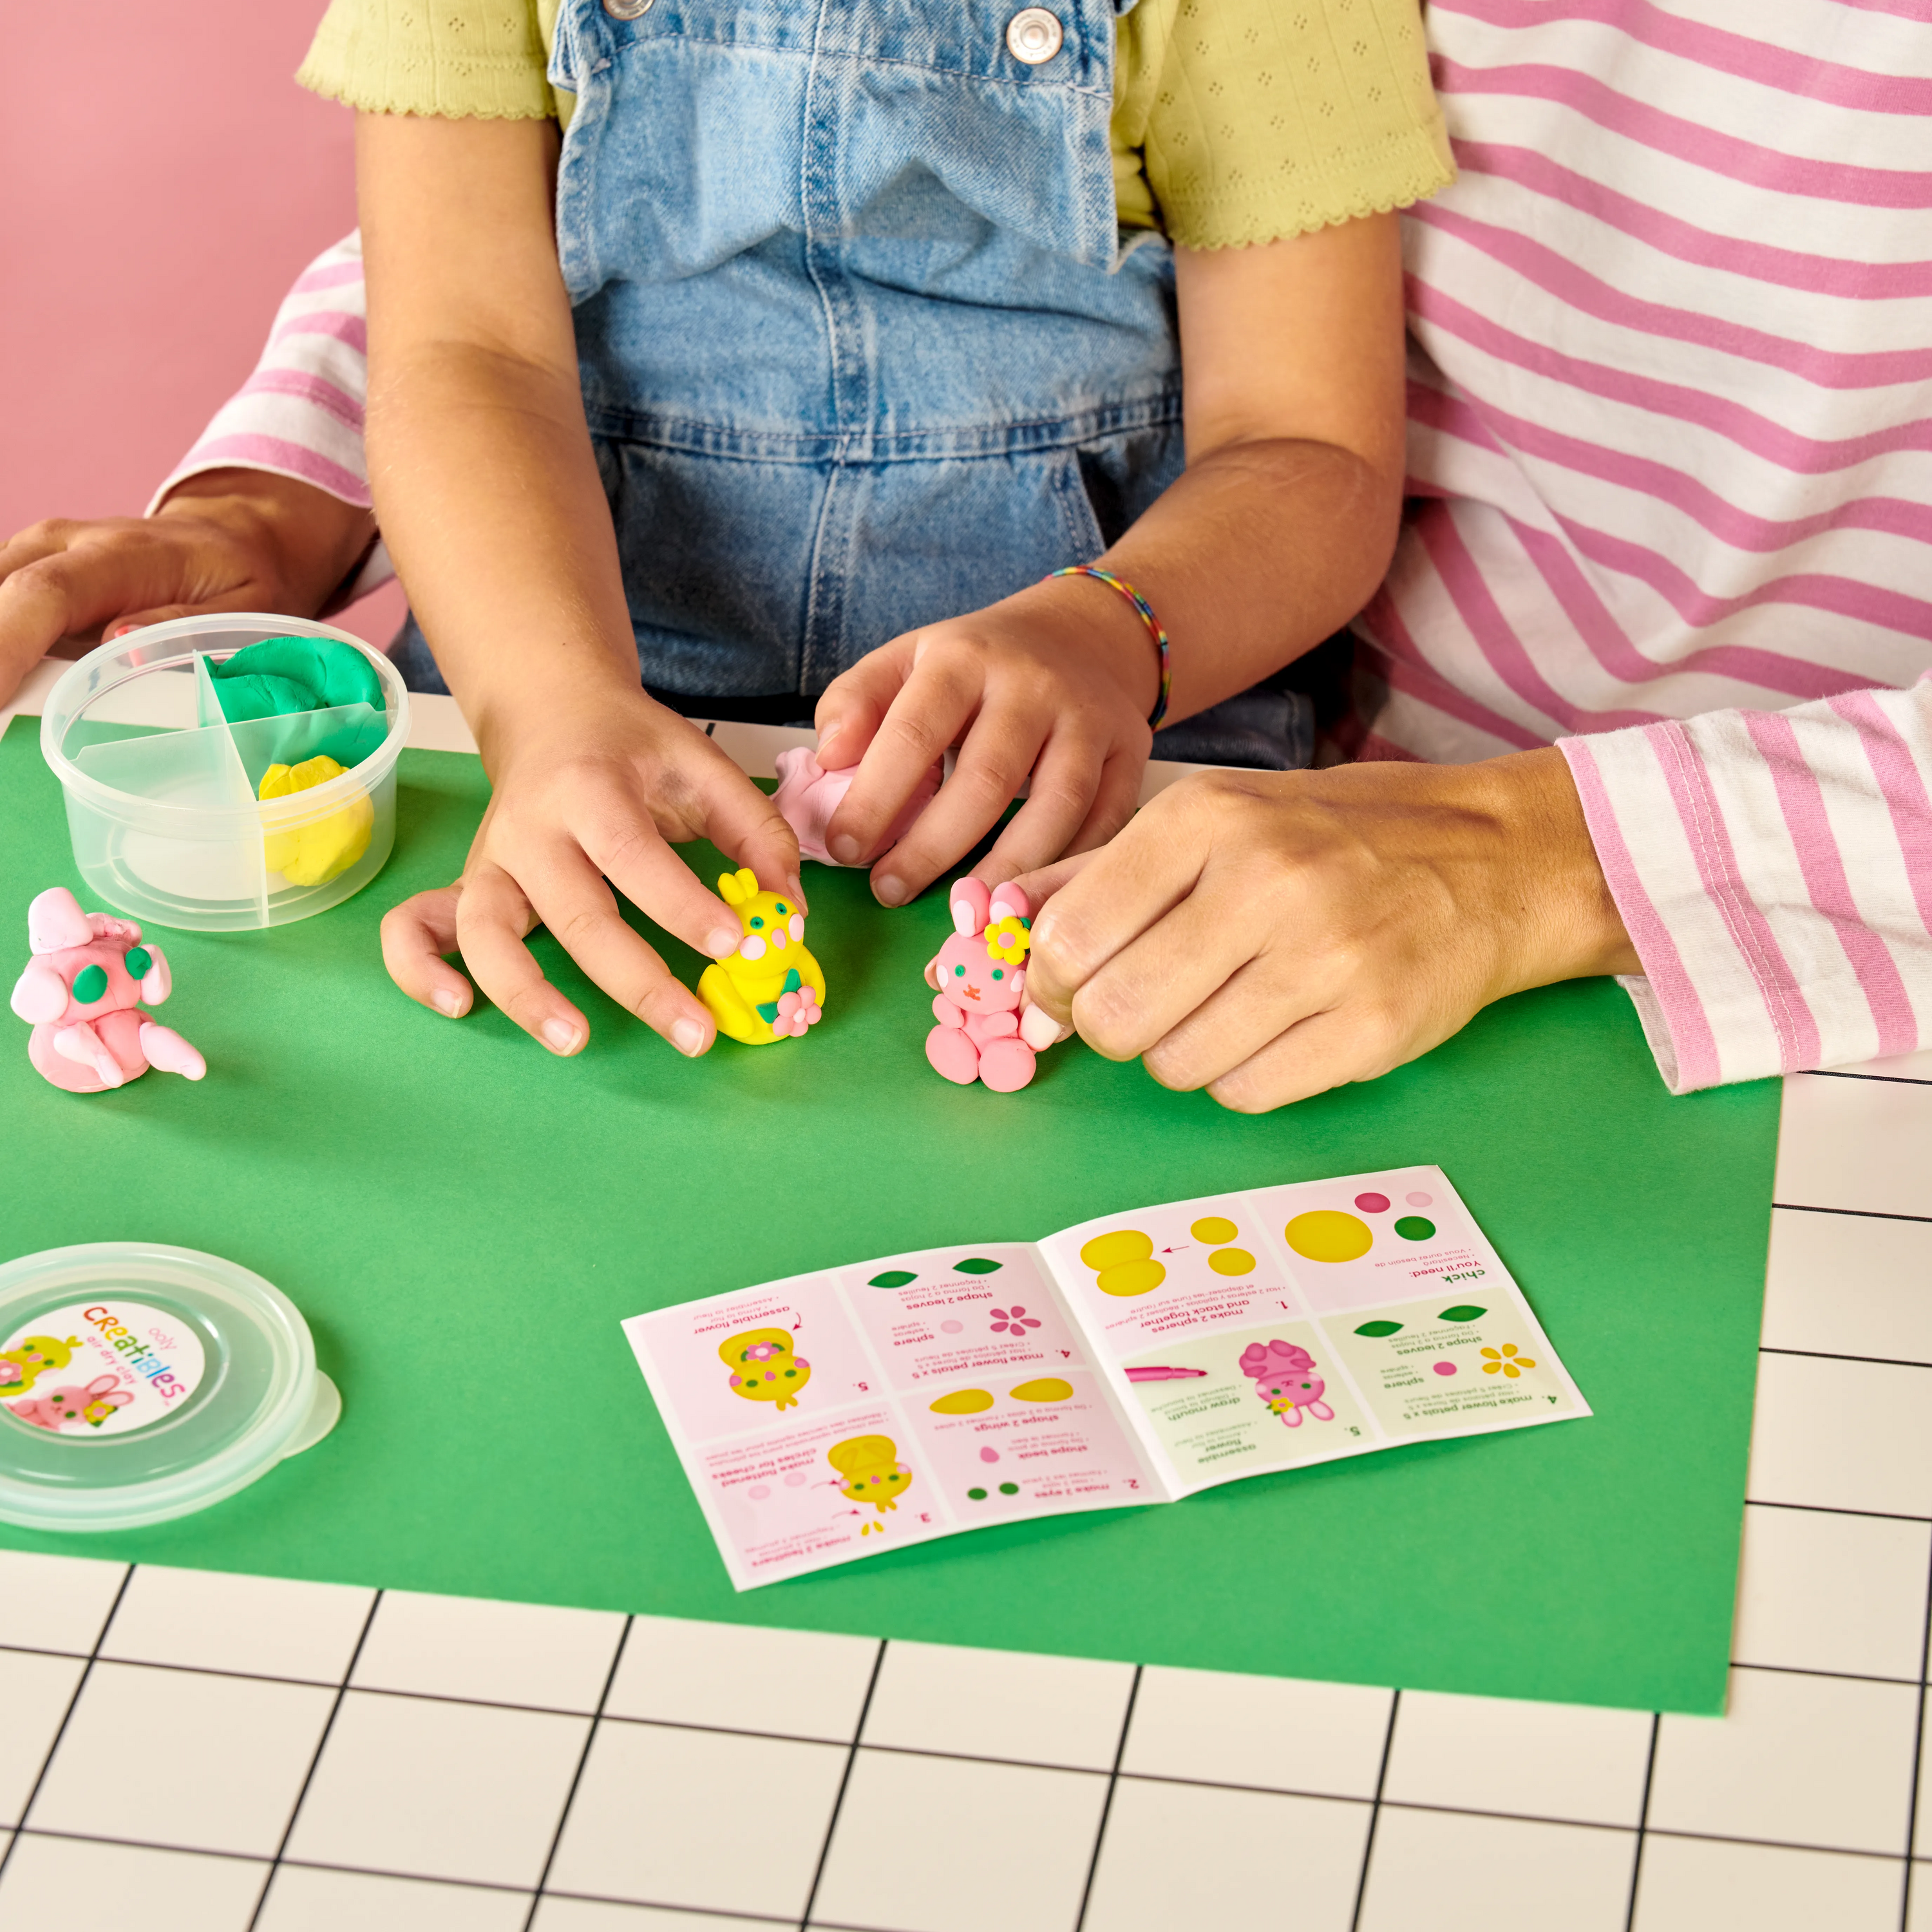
(1642, 1822)
(308, 1776)
(66, 1717)
(1838, 1676)
(1857, 1213)
(1890, 1079)
(845, 1780)
(577, 1776)
(1836, 1509)
(1828, 1355)
(1918, 1765)
(1375, 1813)
(1107, 1802)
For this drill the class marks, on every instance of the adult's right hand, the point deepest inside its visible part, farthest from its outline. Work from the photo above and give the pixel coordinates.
(225, 540)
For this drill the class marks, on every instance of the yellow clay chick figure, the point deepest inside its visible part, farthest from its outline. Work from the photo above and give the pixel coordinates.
(771, 988)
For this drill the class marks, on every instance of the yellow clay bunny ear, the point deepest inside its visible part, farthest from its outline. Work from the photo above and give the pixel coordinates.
(739, 887)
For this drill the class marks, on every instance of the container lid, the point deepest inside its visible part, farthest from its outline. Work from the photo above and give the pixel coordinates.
(140, 1382)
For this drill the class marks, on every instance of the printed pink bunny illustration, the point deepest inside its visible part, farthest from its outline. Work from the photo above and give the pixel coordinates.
(1284, 1378)
(92, 1404)
(79, 993)
(986, 1032)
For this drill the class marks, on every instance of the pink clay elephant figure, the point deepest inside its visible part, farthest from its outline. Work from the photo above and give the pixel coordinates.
(80, 993)
(92, 1404)
(1284, 1378)
(986, 1031)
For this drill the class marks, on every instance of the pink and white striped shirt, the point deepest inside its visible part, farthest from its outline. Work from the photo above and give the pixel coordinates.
(1671, 451)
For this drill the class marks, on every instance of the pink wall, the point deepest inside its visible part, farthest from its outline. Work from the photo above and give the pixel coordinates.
(162, 180)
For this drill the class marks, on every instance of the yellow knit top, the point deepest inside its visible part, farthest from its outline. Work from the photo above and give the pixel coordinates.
(1234, 121)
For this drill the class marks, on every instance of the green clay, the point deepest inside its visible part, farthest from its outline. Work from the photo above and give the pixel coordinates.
(281, 677)
(89, 983)
(139, 960)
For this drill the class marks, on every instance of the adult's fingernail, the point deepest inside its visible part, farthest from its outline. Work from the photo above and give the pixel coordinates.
(723, 943)
(889, 891)
(560, 1036)
(687, 1036)
(845, 848)
(449, 1003)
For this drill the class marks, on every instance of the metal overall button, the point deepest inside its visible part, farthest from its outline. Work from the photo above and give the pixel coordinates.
(1033, 34)
(627, 10)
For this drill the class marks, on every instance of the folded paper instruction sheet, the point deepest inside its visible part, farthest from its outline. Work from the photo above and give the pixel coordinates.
(1136, 1358)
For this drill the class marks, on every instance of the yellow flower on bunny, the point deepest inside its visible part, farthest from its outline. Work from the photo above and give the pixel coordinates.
(771, 988)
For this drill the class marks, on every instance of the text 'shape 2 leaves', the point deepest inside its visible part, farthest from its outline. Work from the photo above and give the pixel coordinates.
(1463, 1311)
(891, 1278)
(977, 1265)
(1379, 1328)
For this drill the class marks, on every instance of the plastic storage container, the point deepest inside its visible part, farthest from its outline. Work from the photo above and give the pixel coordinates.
(161, 802)
(140, 1382)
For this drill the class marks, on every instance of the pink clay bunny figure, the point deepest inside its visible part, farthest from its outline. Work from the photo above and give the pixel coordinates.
(80, 994)
(808, 795)
(1284, 1378)
(986, 1031)
(92, 1404)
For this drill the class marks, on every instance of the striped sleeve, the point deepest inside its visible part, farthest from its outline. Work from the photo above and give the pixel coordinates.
(300, 414)
(1774, 870)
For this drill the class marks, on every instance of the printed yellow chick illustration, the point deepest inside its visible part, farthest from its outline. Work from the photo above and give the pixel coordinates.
(870, 1472)
(765, 1367)
(771, 988)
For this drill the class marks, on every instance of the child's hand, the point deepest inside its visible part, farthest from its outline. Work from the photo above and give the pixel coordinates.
(1268, 935)
(586, 791)
(1056, 681)
(225, 540)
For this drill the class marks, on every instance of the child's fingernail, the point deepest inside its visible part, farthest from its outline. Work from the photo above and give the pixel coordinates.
(845, 848)
(723, 943)
(889, 891)
(449, 1003)
(687, 1036)
(560, 1036)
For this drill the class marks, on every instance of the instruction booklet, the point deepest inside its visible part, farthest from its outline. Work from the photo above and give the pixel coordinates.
(1134, 1359)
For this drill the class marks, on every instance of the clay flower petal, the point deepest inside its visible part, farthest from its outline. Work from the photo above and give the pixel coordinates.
(1008, 939)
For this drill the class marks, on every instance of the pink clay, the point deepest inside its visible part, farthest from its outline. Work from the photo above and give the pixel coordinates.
(807, 796)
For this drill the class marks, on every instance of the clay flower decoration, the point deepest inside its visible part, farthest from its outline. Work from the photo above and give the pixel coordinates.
(1009, 939)
(1509, 1361)
(797, 1011)
(1013, 1320)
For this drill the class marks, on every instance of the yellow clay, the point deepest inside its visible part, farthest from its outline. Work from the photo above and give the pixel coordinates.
(736, 988)
(312, 855)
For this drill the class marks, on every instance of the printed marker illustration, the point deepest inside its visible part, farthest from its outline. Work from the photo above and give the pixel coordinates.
(870, 1472)
(1160, 1375)
(37, 1354)
(764, 1366)
(1284, 1376)
(92, 1404)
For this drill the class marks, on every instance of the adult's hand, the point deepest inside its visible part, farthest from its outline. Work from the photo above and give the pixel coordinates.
(1268, 935)
(225, 540)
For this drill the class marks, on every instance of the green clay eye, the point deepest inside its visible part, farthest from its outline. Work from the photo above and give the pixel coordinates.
(781, 905)
(998, 974)
(756, 923)
(958, 972)
(89, 983)
(139, 960)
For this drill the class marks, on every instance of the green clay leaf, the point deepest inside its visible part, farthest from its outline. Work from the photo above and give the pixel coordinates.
(891, 1278)
(1463, 1311)
(977, 1265)
(1379, 1328)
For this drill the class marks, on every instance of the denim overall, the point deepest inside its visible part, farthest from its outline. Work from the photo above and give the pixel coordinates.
(860, 349)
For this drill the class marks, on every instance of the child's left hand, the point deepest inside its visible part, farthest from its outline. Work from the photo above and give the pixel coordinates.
(1057, 680)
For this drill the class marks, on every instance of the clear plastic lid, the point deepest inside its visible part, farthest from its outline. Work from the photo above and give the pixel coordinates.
(140, 1382)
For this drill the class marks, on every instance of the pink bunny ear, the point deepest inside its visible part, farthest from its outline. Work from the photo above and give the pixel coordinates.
(971, 906)
(1009, 902)
(101, 1385)
(1254, 1360)
(157, 982)
(54, 922)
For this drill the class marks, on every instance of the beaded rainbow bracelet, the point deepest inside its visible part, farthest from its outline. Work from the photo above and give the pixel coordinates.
(1147, 617)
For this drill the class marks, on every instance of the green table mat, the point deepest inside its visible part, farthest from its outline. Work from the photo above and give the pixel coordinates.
(465, 1220)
